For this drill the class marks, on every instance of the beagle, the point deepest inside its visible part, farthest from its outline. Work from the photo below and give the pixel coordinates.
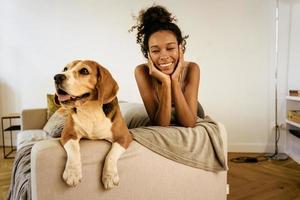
(88, 91)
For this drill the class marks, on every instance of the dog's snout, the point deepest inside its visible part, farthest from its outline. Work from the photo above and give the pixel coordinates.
(59, 78)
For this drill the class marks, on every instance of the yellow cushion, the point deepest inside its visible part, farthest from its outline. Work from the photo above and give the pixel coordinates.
(52, 105)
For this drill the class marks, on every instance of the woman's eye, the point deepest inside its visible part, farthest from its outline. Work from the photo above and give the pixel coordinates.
(155, 50)
(84, 71)
(170, 49)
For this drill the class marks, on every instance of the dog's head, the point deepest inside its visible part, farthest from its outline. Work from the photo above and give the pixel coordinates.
(82, 81)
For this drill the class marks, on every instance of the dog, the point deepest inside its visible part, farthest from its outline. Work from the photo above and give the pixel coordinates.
(89, 93)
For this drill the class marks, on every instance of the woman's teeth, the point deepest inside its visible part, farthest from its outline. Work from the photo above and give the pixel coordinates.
(166, 65)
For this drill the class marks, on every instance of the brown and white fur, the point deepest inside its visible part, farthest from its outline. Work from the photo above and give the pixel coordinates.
(88, 91)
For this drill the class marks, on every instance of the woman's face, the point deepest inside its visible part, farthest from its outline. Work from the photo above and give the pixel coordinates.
(163, 50)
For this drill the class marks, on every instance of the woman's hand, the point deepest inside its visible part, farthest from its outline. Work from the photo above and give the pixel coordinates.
(153, 71)
(180, 65)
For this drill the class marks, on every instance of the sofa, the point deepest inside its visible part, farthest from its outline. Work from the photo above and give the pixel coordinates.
(144, 174)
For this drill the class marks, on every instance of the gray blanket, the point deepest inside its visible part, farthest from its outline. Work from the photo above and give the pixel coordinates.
(199, 147)
(20, 178)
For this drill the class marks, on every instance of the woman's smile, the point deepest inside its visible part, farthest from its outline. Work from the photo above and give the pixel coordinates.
(165, 64)
(166, 68)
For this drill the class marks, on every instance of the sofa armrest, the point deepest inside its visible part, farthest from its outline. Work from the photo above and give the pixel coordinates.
(143, 174)
(48, 159)
(33, 118)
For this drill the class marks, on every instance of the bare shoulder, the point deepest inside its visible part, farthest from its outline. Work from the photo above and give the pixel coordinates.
(141, 73)
(141, 69)
(192, 68)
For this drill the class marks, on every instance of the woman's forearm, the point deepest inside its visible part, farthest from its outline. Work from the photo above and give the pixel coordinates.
(184, 114)
(163, 114)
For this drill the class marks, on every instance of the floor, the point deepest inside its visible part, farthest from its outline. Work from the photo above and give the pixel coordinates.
(268, 179)
(5, 173)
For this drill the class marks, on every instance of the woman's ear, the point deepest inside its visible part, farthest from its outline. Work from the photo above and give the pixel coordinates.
(180, 47)
(106, 85)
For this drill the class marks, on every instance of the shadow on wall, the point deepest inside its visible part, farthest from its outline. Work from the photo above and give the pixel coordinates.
(8, 101)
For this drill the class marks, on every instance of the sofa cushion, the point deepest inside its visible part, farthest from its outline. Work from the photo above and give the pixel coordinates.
(26, 137)
(134, 114)
(55, 124)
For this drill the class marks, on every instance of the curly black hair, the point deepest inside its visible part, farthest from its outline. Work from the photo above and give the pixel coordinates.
(156, 18)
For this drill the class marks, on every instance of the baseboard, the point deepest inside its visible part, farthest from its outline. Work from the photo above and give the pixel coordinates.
(295, 157)
(227, 189)
(253, 148)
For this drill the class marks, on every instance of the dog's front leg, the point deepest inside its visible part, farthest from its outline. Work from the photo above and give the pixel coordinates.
(73, 172)
(110, 176)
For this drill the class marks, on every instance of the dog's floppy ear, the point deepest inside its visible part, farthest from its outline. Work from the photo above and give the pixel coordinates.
(106, 85)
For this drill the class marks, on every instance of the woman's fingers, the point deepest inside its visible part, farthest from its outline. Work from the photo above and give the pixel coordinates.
(150, 64)
(155, 72)
(180, 64)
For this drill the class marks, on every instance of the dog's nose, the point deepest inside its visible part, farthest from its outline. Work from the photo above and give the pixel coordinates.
(59, 78)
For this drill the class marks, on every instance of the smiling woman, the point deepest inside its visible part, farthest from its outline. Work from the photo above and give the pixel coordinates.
(168, 84)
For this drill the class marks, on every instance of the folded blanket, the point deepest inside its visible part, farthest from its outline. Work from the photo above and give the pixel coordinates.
(20, 178)
(199, 147)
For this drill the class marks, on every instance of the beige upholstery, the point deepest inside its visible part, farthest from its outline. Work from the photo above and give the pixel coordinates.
(33, 118)
(144, 175)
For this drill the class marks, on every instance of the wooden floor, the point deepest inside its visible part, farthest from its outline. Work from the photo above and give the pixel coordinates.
(274, 180)
(5, 172)
(267, 180)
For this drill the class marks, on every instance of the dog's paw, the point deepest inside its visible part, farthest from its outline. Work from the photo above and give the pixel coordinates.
(110, 179)
(72, 175)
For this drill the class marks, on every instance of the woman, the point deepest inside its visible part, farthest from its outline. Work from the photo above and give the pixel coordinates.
(168, 85)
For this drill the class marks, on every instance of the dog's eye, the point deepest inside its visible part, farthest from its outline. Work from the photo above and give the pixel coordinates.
(65, 69)
(84, 71)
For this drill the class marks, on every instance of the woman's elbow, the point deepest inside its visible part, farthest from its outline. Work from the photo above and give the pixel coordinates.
(164, 124)
(157, 122)
(190, 123)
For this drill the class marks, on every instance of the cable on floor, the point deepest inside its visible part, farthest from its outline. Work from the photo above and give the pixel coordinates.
(247, 159)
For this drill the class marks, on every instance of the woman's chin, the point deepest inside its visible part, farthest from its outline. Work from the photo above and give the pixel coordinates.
(167, 72)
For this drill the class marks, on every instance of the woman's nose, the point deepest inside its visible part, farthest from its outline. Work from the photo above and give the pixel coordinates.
(164, 56)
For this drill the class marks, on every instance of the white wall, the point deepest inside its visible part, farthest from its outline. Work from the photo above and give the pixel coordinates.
(294, 43)
(293, 72)
(233, 41)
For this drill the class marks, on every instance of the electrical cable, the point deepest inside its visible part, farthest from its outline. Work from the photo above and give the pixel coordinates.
(249, 159)
(276, 155)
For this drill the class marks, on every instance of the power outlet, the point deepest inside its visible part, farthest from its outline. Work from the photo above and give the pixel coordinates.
(282, 126)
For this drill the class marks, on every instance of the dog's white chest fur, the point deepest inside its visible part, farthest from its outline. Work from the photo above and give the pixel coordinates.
(90, 121)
